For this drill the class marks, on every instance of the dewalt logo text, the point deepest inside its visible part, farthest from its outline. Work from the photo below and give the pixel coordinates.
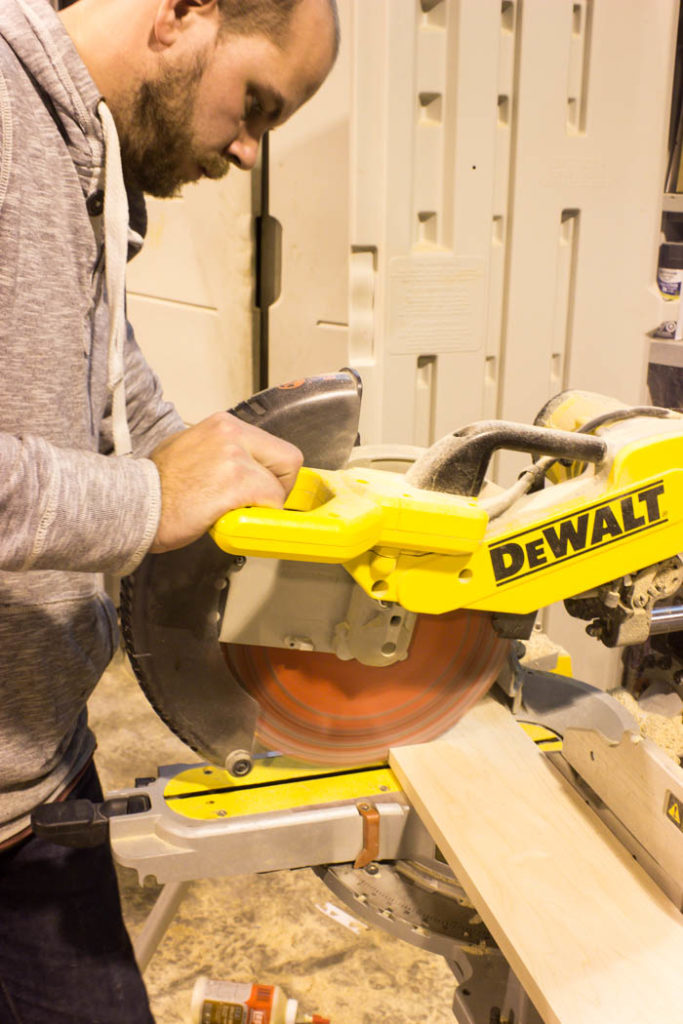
(570, 536)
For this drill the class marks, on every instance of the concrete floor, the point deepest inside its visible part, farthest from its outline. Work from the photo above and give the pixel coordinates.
(266, 928)
(270, 928)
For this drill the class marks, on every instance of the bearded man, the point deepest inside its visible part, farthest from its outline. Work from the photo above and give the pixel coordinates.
(95, 467)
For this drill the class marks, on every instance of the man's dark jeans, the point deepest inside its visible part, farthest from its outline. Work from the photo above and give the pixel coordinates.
(65, 955)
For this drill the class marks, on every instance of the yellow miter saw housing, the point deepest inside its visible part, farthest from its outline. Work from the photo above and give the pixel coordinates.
(435, 552)
(379, 603)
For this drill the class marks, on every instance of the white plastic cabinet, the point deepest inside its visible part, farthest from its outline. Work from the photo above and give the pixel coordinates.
(191, 293)
(471, 204)
(470, 210)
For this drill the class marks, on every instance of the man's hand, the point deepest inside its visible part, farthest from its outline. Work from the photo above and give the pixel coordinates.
(213, 467)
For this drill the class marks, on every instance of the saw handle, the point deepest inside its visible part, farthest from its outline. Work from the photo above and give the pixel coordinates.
(458, 463)
(337, 515)
(316, 524)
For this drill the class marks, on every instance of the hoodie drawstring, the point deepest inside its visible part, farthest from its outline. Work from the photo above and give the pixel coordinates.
(115, 257)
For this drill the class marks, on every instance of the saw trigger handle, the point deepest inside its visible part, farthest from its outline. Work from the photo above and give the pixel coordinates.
(336, 516)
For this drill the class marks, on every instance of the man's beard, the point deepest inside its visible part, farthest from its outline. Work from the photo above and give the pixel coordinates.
(155, 133)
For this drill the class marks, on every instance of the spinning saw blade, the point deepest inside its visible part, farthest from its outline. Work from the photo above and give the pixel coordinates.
(217, 696)
(324, 710)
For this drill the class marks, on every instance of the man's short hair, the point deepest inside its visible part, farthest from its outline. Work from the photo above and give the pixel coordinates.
(270, 18)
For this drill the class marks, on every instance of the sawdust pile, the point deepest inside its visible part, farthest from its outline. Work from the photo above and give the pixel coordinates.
(666, 732)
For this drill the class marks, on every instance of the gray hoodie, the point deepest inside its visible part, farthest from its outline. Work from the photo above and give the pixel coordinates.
(70, 508)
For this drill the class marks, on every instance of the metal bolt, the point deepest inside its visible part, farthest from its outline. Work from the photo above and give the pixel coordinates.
(372, 869)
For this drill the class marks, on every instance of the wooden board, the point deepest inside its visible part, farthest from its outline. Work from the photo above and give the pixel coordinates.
(589, 935)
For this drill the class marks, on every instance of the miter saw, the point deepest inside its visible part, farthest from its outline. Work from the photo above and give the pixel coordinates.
(292, 648)
(374, 609)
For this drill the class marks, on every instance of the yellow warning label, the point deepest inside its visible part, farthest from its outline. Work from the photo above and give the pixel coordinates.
(674, 810)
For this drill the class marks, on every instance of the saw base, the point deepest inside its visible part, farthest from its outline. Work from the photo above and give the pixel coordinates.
(202, 823)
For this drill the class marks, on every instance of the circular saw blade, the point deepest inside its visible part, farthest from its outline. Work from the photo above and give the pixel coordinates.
(315, 707)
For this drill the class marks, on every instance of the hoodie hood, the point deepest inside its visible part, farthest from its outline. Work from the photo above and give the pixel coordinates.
(43, 46)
